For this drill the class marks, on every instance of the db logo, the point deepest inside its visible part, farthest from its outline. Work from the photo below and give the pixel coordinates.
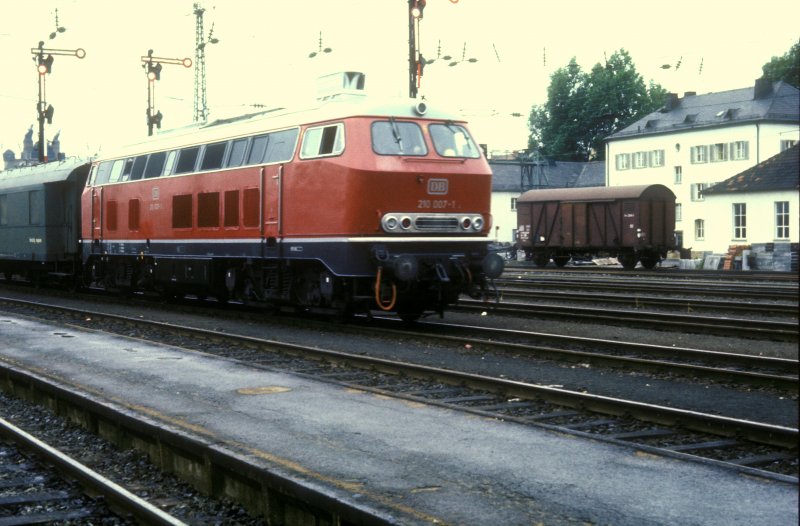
(437, 186)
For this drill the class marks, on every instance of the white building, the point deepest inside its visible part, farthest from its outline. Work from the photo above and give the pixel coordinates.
(697, 141)
(757, 208)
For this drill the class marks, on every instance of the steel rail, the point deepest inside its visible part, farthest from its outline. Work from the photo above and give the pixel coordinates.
(118, 497)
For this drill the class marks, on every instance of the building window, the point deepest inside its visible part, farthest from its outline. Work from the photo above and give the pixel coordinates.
(657, 158)
(513, 203)
(640, 160)
(739, 220)
(699, 229)
(699, 154)
(786, 144)
(678, 174)
(697, 191)
(782, 220)
(739, 150)
(719, 152)
(623, 161)
(678, 211)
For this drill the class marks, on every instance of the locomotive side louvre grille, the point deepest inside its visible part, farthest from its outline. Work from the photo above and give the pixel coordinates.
(438, 224)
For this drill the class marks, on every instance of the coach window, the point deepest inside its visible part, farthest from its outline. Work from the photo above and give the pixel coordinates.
(213, 155)
(323, 141)
(155, 165)
(452, 140)
(138, 167)
(257, 150)
(236, 157)
(187, 160)
(281, 146)
(397, 138)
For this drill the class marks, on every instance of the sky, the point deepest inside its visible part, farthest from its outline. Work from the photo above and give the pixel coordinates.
(262, 57)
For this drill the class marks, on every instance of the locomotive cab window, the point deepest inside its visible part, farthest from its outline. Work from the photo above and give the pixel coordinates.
(323, 141)
(452, 140)
(397, 138)
(138, 167)
(236, 157)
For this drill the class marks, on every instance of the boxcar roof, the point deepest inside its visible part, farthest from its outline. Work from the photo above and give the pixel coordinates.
(599, 193)
(278, 119)
(40, 174)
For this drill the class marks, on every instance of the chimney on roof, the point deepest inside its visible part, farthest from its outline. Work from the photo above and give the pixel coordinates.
(762, 89)
(671, 102)
(689, 93)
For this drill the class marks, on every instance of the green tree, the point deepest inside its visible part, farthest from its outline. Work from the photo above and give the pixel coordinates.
(786, 67)
(582, 109)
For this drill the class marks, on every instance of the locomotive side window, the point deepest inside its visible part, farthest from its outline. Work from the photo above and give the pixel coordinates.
(397, 138)
(208, 210)
(231, 208)
(116, 171)
(155, 165)
(186, 160)
(236, 157)
(452, 140)
(213, 155)
(182, 211)
(323, 141)
(257, 150)
(126, 170)
(103, 172)
(169, 166)
(138, 167)
(281, 146)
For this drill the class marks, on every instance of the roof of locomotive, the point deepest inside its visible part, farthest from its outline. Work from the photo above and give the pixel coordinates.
(44, 173)
(282, 118)
(599, 193)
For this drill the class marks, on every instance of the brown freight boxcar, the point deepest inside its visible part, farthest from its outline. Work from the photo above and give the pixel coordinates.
(631, 223)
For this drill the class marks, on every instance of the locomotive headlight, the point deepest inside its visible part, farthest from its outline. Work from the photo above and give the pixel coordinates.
(390, 223)
(477, 223)
(465, 223)
(405, 223)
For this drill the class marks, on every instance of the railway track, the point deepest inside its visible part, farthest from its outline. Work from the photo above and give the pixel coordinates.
(752, 447)
(685, 304)
(740, 327)
(40, 484)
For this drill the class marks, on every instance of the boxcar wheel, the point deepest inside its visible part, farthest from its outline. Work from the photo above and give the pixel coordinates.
(541, 260)
(560, 261)
(648, 262)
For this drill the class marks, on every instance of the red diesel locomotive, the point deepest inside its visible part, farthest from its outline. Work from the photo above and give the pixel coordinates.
(349, 206)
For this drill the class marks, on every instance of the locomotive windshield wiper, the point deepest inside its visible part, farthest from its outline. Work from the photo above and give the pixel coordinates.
(396, 133)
